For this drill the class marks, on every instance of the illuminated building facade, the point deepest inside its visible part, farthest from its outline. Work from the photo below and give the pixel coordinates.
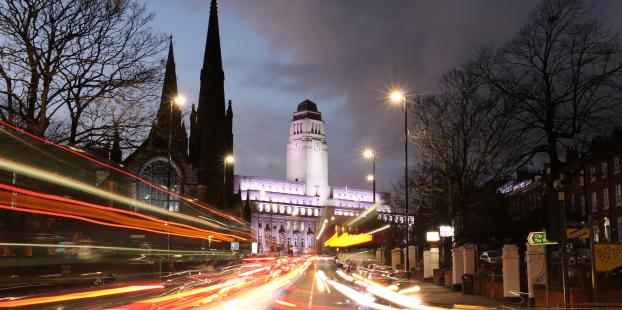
(285, 214)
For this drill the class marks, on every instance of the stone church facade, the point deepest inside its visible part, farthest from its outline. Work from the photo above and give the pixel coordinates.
(193, 165)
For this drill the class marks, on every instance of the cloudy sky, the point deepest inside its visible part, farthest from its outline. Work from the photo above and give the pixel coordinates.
(344, 55)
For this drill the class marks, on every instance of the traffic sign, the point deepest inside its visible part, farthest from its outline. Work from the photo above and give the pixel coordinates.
(538, 238)
(577, 233)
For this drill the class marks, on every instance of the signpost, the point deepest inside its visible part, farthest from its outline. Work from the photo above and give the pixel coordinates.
(538, 238)
(577, 233)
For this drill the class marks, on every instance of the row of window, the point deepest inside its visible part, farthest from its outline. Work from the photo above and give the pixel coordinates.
(276, 187)
(282, 209)
(346, 213)
(288, 226)
(603, 173)
(316, 128)
(265, 197)
(604, 199)
(264, 241)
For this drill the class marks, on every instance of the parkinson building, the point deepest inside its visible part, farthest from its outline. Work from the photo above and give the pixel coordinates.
(286, 214)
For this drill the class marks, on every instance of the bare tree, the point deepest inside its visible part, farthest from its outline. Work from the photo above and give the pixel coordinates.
(463, 141)
(561, 73)
(64, 60)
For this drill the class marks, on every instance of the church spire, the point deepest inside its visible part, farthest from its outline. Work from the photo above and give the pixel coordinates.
(169, 91)
(212, 59)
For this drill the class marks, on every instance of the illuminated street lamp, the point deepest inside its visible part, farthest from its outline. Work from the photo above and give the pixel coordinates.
(228, 160)
(369, 154)
(398, 97)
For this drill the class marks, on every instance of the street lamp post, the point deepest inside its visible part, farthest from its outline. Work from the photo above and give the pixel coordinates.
(399, 97)
(179, 100)
(229, 160)
(368, 153)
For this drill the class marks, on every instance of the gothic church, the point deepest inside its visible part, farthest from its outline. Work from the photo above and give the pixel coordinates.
(192, 166)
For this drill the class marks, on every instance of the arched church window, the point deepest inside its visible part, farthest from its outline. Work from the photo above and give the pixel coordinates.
(161, 174)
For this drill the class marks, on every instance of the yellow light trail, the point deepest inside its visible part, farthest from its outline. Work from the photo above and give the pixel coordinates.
(74, 296)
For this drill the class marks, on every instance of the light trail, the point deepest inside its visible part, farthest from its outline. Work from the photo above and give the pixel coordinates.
(190, 292)
(81, 295)
(94, 210)
(365, 213)
(72, 151)
(319, 234)
(378, 230)
(79, 186)
(141, 250)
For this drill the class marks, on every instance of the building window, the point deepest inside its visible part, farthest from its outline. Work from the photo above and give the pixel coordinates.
(606, 198)
(619, 195)
(572, 200)
(594, 202)
(603, 170)
(581, 178)
(159, 173)
(616, 165)
(592, 174)
(620, 229)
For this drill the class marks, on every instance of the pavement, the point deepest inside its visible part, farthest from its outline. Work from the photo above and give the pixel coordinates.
(441, 296)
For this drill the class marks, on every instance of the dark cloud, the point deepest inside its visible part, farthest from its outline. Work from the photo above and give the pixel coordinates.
(347, 53)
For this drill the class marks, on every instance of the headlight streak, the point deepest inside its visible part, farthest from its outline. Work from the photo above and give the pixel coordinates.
(361, 299)
(80, 295)
(412, 289)
(70, 150)
(410, 302)
(257, 297)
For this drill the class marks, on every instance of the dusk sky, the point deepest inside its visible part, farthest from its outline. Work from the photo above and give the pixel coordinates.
(343, 55)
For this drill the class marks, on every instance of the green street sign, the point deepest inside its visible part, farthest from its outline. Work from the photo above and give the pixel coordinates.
(538, 238)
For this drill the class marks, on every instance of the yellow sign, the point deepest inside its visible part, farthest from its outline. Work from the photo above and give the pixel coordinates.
(577, 233)
(608, 256)
(345, 240)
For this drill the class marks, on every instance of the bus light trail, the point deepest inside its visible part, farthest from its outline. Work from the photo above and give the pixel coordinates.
(74, 152)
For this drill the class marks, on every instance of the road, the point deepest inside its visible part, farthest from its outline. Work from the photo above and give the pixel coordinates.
(275, 283)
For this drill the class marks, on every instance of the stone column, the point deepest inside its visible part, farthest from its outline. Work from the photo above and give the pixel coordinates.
(427, 264)
(396, 258)
(511, 273)
(434, 258)
(536, 266)
(468, 258)
(457, 267)
(412, 257)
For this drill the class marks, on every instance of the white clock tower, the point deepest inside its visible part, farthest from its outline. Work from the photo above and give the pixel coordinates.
(307, 152)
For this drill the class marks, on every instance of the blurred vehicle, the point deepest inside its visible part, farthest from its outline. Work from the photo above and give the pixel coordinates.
(491, 257)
